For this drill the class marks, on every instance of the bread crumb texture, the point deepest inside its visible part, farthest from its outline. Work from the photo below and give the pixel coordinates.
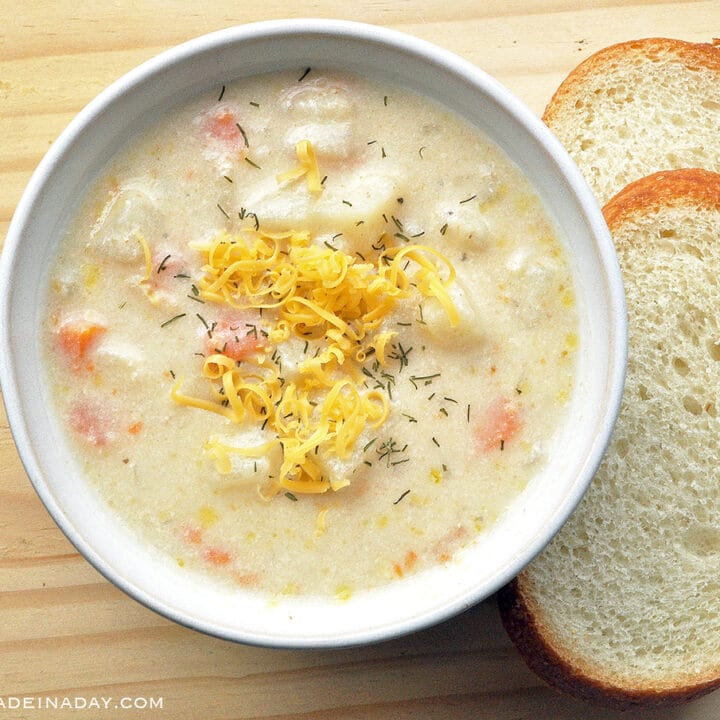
(624, 604)
(639, 107)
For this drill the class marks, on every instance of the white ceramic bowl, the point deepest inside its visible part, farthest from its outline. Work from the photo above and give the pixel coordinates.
(135, 101)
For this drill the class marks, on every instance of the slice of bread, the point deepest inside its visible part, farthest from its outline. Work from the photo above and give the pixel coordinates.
(639, 107)
(623, 606)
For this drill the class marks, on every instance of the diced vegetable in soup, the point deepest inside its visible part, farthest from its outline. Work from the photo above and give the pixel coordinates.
(311, 335)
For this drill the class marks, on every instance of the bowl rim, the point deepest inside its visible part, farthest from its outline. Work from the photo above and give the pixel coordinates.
(416, 48)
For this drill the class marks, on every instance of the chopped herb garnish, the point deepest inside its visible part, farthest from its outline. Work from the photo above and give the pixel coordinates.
(384, 154)
(435, 441)
(372, 142)
(402, 237)
(369, 444)
(181, 275)
(122, 304)
(467, 414)
(203, 321)
(195, 291)
(427, 379)
(290, 496)
(242, 132)
(229, 179)
(409, 417)
(444, 411)
(385, 101)
(172, 319)
(304, 75)
(161, 266)
(347, 202)
(401, 497)
(449, 399)
(196, 299)
(172, 374)
(502, 444)
(250, 162)
(254, 104)
(401, 355)
(397, 222)
(222, 94)
(443, 229)
(472, 197)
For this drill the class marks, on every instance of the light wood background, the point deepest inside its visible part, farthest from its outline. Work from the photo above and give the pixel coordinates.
(67, 633)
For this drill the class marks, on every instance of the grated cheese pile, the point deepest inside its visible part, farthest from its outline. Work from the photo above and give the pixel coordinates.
(316, 293)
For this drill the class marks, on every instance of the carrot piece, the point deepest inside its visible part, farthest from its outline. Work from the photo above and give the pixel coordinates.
(76, 338)
(222, 126)
(90, 422)
(236, 339)
(135, 428)
(410, 559)
(216, 556)
(501, 424)
(192, 534)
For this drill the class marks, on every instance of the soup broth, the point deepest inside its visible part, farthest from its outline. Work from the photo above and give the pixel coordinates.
(311, 334)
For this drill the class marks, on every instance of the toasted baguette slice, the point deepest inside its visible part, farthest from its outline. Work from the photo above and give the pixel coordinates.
(623, 606)
(639, 107)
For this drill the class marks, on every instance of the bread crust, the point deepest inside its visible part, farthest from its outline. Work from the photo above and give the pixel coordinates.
(667, 188)
(566, 668)
(692, 55)
(522, 620)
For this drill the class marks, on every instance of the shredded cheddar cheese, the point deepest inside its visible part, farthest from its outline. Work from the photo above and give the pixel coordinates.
(316, 293)
(308, 168)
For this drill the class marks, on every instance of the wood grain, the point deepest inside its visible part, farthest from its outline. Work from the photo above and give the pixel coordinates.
(67, 633)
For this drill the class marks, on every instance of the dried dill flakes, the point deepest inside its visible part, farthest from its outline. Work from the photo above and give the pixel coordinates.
(254, 164)
(162, 264)
(305, 74)
(172, 319)
(244, 136)
(401, 497)
(245, 214)
(425, 379)
(468, 199)
(222, 210)
(222, 94)
(290, 496)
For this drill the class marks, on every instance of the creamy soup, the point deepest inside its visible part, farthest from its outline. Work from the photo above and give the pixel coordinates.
(311, 334)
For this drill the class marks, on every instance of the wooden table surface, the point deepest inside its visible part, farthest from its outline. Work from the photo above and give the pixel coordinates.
(66, 633)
